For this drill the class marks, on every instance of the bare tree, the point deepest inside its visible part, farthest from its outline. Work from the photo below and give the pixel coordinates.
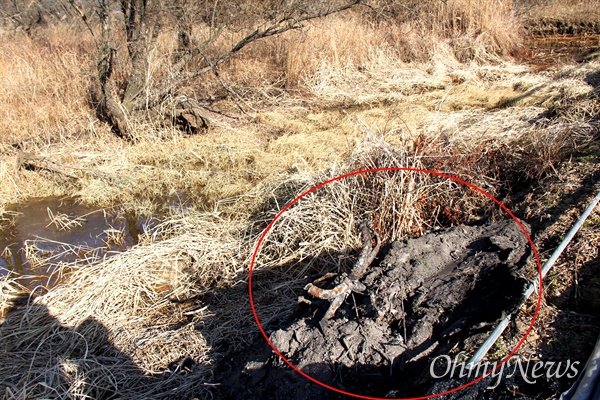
(126, 32)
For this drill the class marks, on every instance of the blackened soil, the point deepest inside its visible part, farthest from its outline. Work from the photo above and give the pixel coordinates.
(435, 295)
(550, 27)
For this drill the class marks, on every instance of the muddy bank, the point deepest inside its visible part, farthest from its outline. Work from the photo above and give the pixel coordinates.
(547, 27)
(435, 295)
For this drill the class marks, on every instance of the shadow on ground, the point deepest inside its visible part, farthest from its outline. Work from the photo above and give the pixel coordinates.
(380, 343)
(79, 361)
(41, 358)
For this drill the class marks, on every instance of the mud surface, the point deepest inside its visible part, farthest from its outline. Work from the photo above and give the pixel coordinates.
(430, 296)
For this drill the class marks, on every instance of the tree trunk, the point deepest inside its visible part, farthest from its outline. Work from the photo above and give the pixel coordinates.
(126, 95)
(141, 26)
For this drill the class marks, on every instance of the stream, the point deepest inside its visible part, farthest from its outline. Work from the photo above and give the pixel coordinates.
(43, 232)
(554, 51)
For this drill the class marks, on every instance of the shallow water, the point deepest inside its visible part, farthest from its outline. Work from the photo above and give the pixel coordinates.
(95, 233)
(553, 51)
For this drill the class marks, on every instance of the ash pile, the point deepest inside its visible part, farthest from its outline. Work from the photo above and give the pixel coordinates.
(434, 295)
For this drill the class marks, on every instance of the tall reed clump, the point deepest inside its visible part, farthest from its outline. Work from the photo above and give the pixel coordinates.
(472, 25)
(44, 101)
(408, 31)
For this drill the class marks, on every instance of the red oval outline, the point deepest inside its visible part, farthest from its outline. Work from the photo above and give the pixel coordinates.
(365, 171)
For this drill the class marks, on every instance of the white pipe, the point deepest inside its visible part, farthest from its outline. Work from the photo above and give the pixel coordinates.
(489, 342)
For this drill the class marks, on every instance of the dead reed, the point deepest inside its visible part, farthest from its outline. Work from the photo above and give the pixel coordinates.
(110, 323)
(64, 222)
(10, 290)
(153, 321)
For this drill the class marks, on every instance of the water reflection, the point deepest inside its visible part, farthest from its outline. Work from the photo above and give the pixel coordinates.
(554, 51)
(46, 231)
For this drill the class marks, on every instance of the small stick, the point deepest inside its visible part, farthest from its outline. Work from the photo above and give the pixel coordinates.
(349, 284)
(325, 277)
(368, 254)
(355, 308)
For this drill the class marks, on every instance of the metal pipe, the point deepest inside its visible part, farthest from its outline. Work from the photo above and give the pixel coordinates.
(587, 386)
(489, 342)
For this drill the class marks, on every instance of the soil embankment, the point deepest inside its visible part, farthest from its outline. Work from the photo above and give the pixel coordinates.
(426, 297)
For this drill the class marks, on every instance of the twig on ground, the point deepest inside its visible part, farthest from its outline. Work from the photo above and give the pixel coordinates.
(35, 162)
(349, 284)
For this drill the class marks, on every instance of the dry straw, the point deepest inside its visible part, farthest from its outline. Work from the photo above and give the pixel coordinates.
(119, 325)
(154, 320)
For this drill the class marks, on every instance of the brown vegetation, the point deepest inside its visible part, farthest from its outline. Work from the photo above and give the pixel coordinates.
(417, 84)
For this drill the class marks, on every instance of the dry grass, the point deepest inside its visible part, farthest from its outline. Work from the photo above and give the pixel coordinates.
(478, 30)
(114, 237)
(444, 97)
(471, 25)
(109, 325)
(114, 316)
(10, 290)
(64, 222)
(567, 326)
(44, 85)
(363, 69)
(153, 320)
(135, 302)
(182, 288)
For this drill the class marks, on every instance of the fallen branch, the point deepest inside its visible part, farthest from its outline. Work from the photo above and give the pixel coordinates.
(351, 283)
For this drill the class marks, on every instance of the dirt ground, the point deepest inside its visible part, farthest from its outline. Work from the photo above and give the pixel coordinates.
(425, 297)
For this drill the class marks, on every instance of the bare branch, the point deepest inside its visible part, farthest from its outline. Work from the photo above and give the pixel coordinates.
(35, 162)
(349, 284)
(368, 254)
(284, 24)
(226, 86)
(85, 20)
